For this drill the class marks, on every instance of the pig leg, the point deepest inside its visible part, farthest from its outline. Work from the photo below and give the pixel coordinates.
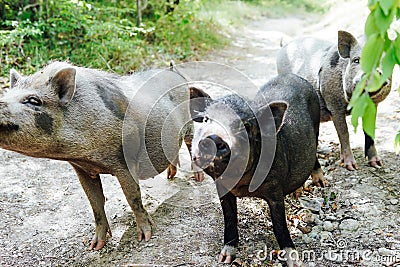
(94, 192)
(339, 120)
(317, 175)
(198, 173)
(132, 194)
(370, 152)
(171, 170)
(279, 225)
(231, 236)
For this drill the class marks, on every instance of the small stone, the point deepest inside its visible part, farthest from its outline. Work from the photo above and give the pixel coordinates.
(394, 201)
(312, 204)
(306, 239)
(385, 252)
(328, 226)
(318, 221)
(309, 217)
(324, 149)
(349, 225)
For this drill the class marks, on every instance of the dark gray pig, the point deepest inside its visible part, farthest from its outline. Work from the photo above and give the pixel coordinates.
(100, 123)
(264, 148)
(334, 70)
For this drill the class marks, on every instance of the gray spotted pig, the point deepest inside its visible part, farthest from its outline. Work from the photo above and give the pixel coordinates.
(334, 71)
(100, 123)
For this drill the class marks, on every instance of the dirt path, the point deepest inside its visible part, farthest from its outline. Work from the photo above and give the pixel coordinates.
(46, 219)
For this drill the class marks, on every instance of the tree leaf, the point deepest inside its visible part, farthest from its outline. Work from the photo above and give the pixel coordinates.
(372, 4)
(369, 117)
(372, 53)
(375, 82)
(357, 92)
(396, 45)
(383, 21)
(358, 110)
(397, 142)
(370, 25)
(386, 6)
(388, 62)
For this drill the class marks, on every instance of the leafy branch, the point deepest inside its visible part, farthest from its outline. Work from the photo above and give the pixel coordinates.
(381, 50)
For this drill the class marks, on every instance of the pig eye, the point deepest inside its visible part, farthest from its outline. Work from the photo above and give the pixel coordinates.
(33, 100)
(356, 60)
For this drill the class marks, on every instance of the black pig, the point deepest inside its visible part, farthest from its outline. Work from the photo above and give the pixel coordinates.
(264, 148)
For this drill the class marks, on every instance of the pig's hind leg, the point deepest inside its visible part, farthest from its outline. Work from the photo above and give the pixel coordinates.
(171, 170)
(370, 152)
(132, 194)
(317, 175)
(94, 192)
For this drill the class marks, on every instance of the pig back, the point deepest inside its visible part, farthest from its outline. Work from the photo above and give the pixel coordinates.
(297, 139)
(303, 57)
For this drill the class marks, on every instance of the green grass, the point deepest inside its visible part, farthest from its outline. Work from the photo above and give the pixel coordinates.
(104, 35)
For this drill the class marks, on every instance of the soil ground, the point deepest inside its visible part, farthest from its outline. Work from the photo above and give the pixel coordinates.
(46, 219)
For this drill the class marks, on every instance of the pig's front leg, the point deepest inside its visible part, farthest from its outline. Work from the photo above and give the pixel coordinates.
(339, 120)
(370, 152)
(198, 173)
(94, 192)
(132, 194)
(279, 225)
(231, 236)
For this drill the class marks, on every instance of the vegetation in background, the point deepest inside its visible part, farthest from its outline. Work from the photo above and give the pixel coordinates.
(382, 49)
(104, 34)
(101, 34)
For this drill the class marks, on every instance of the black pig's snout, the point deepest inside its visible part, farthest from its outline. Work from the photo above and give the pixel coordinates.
(220, 147)
(211, 148)
(207, 149)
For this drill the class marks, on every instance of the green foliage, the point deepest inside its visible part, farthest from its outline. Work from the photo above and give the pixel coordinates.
(101, 34)
(397, 142)
(382, 49)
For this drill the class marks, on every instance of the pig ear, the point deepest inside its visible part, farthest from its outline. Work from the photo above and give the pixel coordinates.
(198, 103)
(265, 120)
(64, 84)
(14, 78)
(345, 43)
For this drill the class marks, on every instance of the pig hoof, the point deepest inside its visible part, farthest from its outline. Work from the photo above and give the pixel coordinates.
(292, 258)
(171, 171)
(227, 255)
(296, 194)
(350, 164)
(99, 240)
(97, 244)
(198, 176)
(318, 179)
(144, 228)
(375, 162)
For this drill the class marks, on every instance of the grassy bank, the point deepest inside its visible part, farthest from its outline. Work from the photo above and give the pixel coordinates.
(104, 34)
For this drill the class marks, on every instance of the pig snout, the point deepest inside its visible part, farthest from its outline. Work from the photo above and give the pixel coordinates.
(210, 148)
